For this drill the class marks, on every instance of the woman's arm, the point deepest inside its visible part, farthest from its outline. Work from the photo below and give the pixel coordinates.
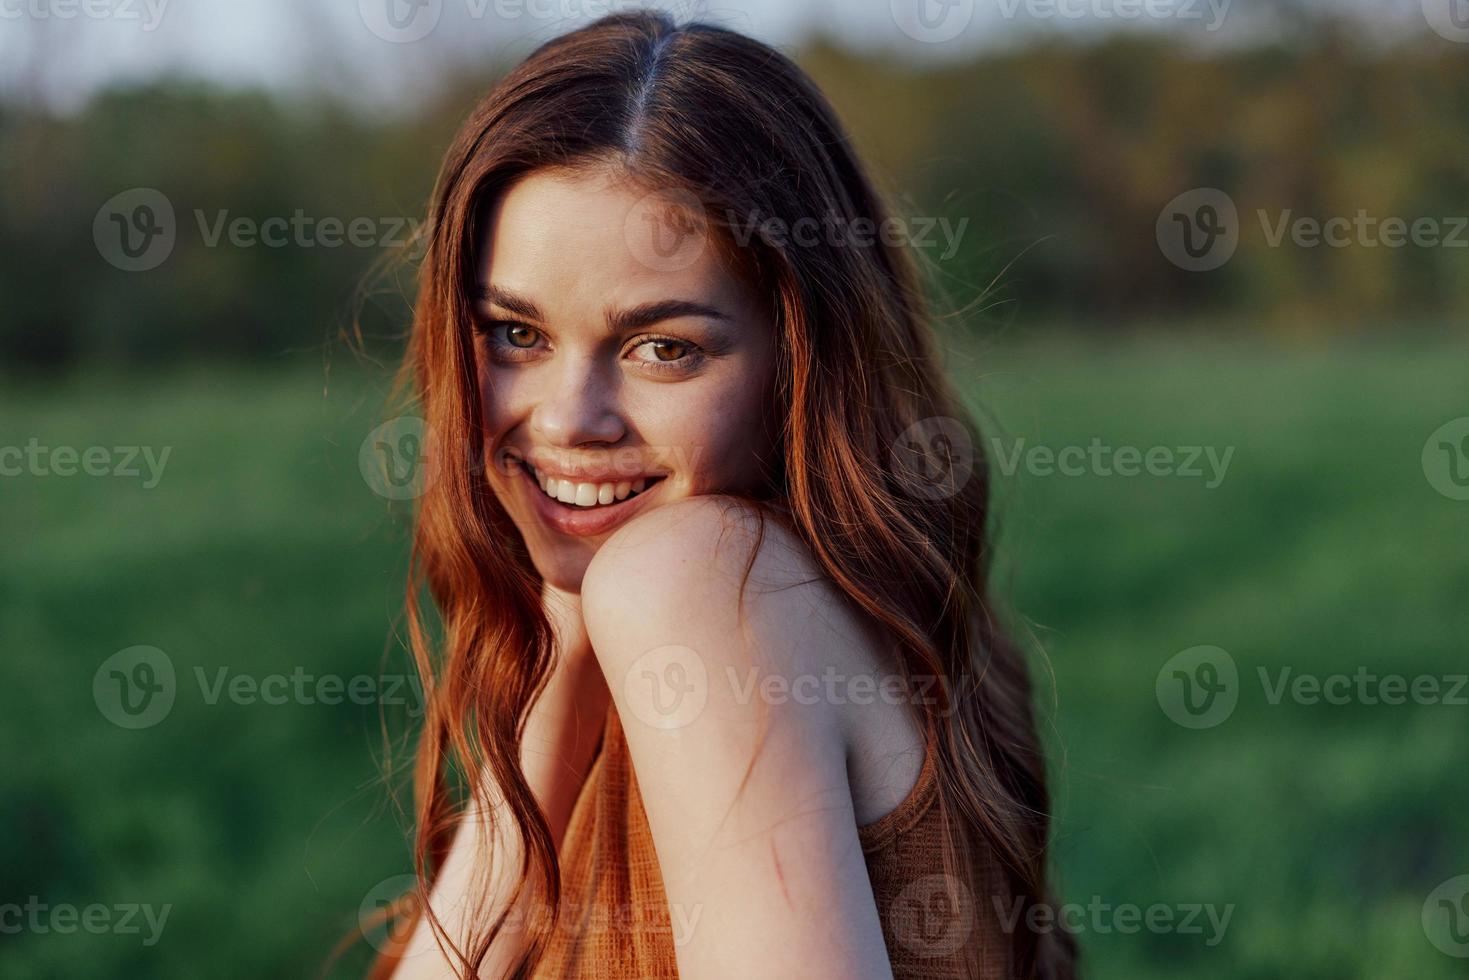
(764, 875)
(560, 735)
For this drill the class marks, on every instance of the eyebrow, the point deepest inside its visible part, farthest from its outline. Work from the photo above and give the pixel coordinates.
(518, 305)
(618, 321)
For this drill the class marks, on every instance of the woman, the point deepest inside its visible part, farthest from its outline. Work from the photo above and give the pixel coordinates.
(714, 667)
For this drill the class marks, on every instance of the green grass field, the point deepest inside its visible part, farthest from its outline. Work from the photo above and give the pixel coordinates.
(262, 827)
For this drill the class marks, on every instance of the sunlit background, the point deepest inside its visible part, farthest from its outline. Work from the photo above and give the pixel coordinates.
(1202, 273)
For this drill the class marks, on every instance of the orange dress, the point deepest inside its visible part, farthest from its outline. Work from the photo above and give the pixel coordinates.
(614, 920)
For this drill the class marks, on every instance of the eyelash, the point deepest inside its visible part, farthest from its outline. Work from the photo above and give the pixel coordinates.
(493, 332)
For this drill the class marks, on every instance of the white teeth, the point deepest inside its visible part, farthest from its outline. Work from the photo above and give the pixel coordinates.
(588, 494)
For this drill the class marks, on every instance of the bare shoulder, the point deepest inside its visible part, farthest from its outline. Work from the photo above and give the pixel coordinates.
(708, 533)
(704, 596)
(706, 565)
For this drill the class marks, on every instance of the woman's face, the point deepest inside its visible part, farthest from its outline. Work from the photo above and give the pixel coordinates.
(621, 364)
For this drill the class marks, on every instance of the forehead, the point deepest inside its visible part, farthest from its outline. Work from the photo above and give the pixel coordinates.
(564, 235)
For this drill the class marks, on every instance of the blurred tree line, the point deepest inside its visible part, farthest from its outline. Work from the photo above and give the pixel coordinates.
(1060, 156)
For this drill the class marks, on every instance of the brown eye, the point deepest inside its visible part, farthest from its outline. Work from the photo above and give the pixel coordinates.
(666, 354)
(519, 335)
(672, 348)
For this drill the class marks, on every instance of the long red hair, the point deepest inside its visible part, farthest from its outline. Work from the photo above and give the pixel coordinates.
(738, 126)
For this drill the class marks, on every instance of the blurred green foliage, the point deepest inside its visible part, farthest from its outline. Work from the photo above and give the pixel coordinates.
(1060, 157)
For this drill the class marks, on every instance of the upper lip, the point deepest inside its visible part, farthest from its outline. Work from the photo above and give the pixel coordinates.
(584, 474)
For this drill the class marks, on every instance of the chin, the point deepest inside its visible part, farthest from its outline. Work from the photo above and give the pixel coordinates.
(565, 568)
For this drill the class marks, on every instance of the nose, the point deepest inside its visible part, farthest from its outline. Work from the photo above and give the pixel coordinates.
(578, 405)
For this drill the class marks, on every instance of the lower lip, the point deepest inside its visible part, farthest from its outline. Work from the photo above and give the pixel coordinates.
(584, 521)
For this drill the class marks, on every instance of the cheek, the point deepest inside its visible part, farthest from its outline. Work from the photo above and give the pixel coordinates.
(499, 415)
(498, 393)
(713, 440)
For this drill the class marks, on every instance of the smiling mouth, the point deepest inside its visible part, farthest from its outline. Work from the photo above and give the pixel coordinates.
(588, 495)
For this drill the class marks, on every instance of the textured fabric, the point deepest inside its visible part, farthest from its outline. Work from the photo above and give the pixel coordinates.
(615, 920)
